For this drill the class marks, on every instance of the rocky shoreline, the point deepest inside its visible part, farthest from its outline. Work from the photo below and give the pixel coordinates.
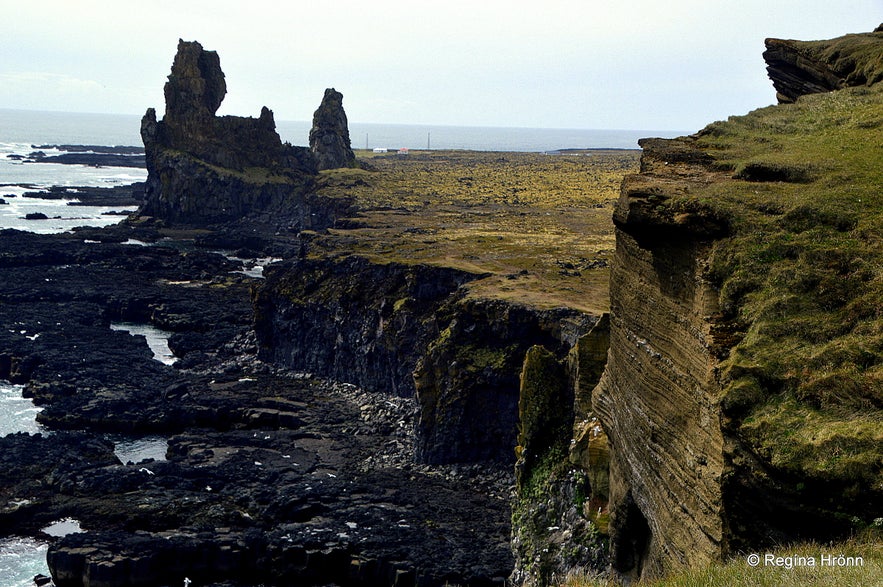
(271, 475)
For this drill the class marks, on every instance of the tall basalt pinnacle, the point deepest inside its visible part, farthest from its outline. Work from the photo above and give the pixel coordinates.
(196, 85)
(330, 135)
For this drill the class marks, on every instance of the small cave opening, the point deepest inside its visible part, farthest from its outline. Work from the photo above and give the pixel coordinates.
(631, 540)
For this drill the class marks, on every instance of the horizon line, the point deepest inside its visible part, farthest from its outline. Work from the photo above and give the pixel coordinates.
(411, 124)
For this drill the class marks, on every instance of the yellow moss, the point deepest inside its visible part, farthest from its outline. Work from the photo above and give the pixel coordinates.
(539, 225)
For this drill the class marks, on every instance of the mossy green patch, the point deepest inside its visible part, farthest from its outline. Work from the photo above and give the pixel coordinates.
(545, 411)
(802, 274)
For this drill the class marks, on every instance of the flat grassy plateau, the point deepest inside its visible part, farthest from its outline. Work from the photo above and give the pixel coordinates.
(540, 226)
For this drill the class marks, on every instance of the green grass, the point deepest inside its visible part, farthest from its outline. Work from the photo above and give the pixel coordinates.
(738, 573)
(856, 57)
(802, 278)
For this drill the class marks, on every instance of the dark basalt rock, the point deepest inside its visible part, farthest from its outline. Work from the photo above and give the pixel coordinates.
(121, 195)
(271, 477)
(330, 135)
(203, 168)
(407, 330)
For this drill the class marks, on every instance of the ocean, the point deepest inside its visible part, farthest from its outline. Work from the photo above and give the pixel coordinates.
(33, 127)
(21, 132)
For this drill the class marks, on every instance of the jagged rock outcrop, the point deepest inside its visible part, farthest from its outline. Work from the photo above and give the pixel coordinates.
(559, 510)
(808, 67)
(467, 379)
(204, 168)
(271, 477)
(330, 135)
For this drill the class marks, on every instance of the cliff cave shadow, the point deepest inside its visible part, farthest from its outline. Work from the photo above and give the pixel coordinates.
(674, 257)
(630, 542)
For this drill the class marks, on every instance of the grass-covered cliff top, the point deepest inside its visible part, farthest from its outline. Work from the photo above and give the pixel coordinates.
(539, 225)
(802, 277)
(856, 58)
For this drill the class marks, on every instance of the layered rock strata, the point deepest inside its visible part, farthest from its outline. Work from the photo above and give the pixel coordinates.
(688, 482)
(808, 67)
(656, 398)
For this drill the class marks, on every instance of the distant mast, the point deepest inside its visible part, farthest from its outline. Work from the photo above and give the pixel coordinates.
(427, 140)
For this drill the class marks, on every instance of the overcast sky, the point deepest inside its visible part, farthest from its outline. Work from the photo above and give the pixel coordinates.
(612, 64)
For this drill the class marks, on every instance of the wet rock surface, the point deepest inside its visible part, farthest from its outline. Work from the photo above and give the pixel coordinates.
(272, 477)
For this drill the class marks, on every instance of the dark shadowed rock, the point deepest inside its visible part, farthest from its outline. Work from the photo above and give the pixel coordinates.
(196, 86)
(330, 135)
(204, 168)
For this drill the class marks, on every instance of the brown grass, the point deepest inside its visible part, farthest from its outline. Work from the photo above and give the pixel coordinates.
(540, 225)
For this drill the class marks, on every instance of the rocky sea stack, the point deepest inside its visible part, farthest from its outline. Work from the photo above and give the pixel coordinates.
(204, 168)
(330, 135)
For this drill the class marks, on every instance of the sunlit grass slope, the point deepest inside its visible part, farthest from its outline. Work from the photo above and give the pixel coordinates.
(862, 566)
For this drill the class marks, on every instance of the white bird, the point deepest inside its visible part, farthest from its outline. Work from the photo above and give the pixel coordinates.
(146, 470)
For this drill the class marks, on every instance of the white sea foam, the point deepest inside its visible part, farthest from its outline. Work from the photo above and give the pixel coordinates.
(17, 414)
(21, 559)
(157, 340)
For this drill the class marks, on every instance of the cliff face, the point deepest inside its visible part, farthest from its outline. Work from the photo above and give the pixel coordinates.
(352, 320)
(409, 330)
(808, 67)
(742, 395)
(657, 395)
(467, 379)
(204, 168)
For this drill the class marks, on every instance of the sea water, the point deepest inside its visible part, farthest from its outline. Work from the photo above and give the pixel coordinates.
(17, 414)
(20, 558)
(23, 131)
(157, 340)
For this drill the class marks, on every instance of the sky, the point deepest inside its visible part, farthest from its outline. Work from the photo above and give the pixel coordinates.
(588, 64)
